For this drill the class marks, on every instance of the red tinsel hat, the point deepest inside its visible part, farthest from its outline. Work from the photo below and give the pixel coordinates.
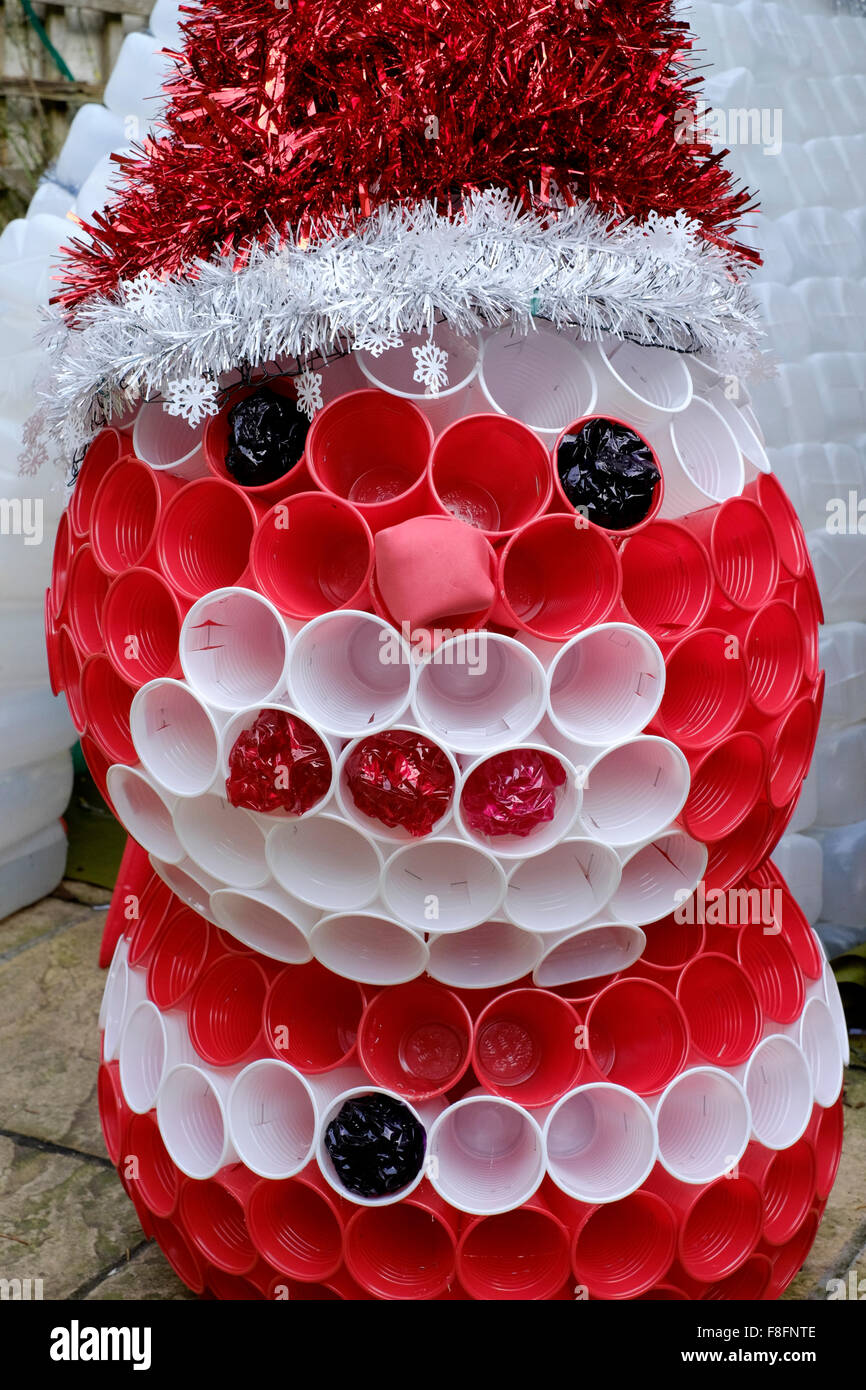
(330, 174)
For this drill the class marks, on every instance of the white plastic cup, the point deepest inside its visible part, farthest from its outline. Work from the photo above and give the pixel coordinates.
(484, 957)
(542, 378)
(700, 459)
(223, 840)
(640, 385)
(740, 422)
(566, 886)
(634, 790)
(545, 835)
(175, 736)
(394, 371)
(485, 1155)
(820, 1043)
(245, 719)
(393, 834)
(351, 673)
(267, 920)
(147, 815)
(479, 692)
(369, 947)
(424, 1114)
(168, 443)
(778, 1084)
(605, 684)
(234, 649)
(326, 862)
(192, 1118)
(704, 1122)
(119, 959)
(152, 1043)
(600, 1143)
(189, 883)
(833, 1000)
(443, 885)
(125, 988)
(593, 951)
(657, 877)
(274, 1114)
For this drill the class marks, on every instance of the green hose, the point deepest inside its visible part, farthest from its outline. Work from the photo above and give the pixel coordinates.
(39, 29)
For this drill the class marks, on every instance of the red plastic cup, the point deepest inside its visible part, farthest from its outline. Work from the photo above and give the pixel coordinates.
(61, 561)
(775, 658)
(141, 620)
(415, 1039)
(525, 1047)
(742, 549)
(313, 553)
(113, 1112)
(670, 945)
(663, 1293)
(705, 691)
(772, 969)
(225, 1011)
(204, 536)
(215, 443)
(311, 1017)
(372, 449)
(722, 1009)
(522, 1254)
(810, 615)
(133, 877)
(127, 509)
(557, 575)
(786, 1179)
(69, 661)
(107, 700)
(97, 766)
(179, 958)
(667, 581)
(824, 1135)
(581, 992)
(733, 856)
(157, 1179)
(234, 1288)
(213, 1216)
(156, 903)
(747, 1284)
(340, 1288)
(52, 646)
(790, 751)
(108, 446)
(407, 1251)
(492, 472)
(777, 507)
(719, 1223)
(725, 784)
(789, 1258)
(623, 1249)
(796, 931)
(560, 498)
(297, 1225)
(88, 585)
(179, 1253)
(637, 1036)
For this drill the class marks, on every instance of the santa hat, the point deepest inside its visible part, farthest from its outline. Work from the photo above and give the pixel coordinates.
(333, 174)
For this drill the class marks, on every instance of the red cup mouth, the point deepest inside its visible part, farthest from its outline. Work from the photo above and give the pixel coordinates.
(492, 473)
(667, 581)
(178, 958)
(61, 561)
(126, 511)
(311, 554)
(214, 1221)
(557, 575)
(158, 1179)
(311, 1017)
(520, 1254)
(725, 785)
(225, 1011)
(788, 1189)
(772, 969)
(705, 691)
(791, 752)
(108, 446)
(774, 652)
(525, 1046)
(732, 857)
(400, 1252)
(743, 553)
(52, 646)
(179, 1253)
(790, 1257)
(591, 987)
(69, 661)
(141, 621)
(658, 491)
(825, 1137)
(88, 586)
(154, 906)
(447, 624)
(671, 944)
(113, 1114)
(370, 449)
(204, 537)
(638, 1036)
(97, 766)
(107, 700)
(297, 1228)
(722, 1009)
(721, 1229)
(747, 1284)
(232, 1288)
(809, 615)
(215, 442)
(796, 931)
(781, 516)
(415, 1039)
(626, 1247)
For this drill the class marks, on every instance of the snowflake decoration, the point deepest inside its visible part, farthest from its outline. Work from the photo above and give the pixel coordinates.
(309, 388)
(431, 368)
(192, 398)
(670, 236)
(32, 455)
(377, 340)
(140, 294)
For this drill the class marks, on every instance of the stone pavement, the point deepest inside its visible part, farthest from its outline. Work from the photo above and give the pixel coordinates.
(64, 1217)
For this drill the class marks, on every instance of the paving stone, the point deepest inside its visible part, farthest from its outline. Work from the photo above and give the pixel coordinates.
(90, 893)
(147, 1276)
(64, 1219)
(49, 1005)
(50, 916)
